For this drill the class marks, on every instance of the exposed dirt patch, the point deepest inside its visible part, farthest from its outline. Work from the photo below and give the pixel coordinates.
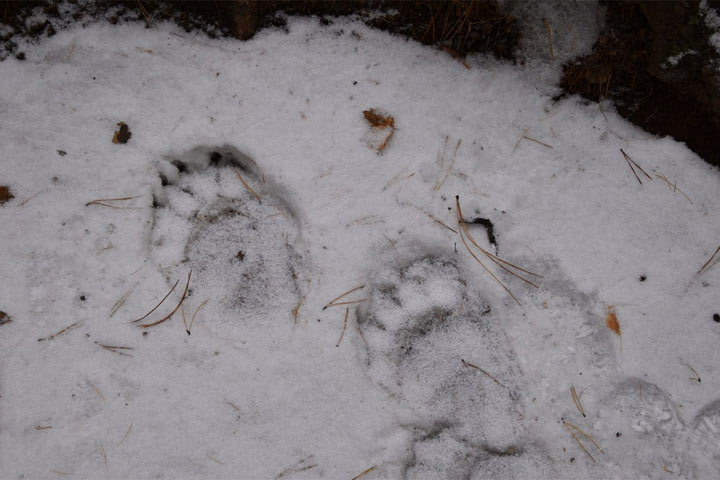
(655, 61)
(5, 194)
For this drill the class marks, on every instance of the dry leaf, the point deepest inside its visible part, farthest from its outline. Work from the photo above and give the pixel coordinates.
(122, 135)
(611, 321)
(378, 120)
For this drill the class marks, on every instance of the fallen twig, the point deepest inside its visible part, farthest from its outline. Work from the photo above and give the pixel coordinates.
(471, 365)
(156, 306)
(61, 332)
(187, 285)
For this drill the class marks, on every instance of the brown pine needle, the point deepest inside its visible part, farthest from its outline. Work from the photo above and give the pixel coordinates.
(707, 265)
(119, 303)
(297, 469)
(61, 332)
(42, 427)
(331, 302)
(497, 260)
(351, 302)
(573, 430)
(126, 434)
(673, 187)
(537, 141)
(342, 334)
(117, 350)
(101, 201)
(632, 162)
(102, 451)
(195, 314)
(435, 219)
(387, 140)
(471, 365)
(22, 204)
(550, 42)
(357, 324)
(487, 269)
(520, 139)
(214, 459)
(156, 306)
(182, 311)
(576, 400)
(59, 472)
(696, 378)
(364, 472)
(296, 310)
(187, 285)
(99, 393)
(250, 189)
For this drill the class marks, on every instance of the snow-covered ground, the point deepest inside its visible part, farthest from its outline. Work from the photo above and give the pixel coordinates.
(252, 165)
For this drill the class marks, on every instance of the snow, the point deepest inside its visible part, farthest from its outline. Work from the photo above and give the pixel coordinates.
(437, 372)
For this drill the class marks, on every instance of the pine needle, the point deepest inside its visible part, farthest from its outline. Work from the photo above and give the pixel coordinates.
(696, 377)
(331, 302)
(59, 472)
(250, 189)
(126, 434)
(364, 472)
(471, 365)
(117, 350)
(574, 430)
(537, 141)
(549, 34)
(156, 306)
(351, 302)
(576, 400)
(707, 264)
(61, 332)
(296, 310)
(102, 201)
(214, 459)
(632, 162)
(520, 139)
(187, 285)
(119, 303)
(342, 334)
(497, 260)
(102, 451)
(195, 314)
(97, 390)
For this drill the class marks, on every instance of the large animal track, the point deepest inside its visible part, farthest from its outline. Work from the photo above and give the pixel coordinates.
(238, 242)
(433, 344)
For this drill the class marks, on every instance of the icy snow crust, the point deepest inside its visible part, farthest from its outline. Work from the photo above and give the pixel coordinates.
(437, 372)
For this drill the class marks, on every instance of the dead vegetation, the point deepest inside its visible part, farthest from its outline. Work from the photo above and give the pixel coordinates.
(577, 433)
(379, 123)
(123, 134)
(61, 332)
(332, 303)
(4, 318)
(471, 365)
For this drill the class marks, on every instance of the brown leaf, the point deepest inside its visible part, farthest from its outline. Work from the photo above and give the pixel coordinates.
(611, 321)
(123, 134)
(378, 120)
(4, 318)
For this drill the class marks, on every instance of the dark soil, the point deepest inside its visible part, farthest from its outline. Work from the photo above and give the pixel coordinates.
(5, 194)
(629, 64)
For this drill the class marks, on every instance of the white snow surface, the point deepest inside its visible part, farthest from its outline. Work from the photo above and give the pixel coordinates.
(435, 371)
